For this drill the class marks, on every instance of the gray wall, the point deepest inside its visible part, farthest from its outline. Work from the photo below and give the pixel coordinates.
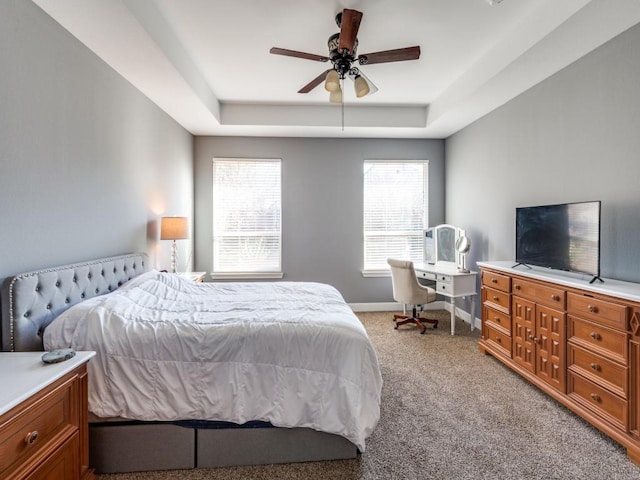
(322, 203)
(573, 137)
(87, 163)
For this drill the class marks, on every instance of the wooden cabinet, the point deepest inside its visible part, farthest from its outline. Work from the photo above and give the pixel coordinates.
(578, 342)
(45, 436)
(539, 331)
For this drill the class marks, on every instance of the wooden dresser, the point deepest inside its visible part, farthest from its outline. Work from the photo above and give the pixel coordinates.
(578, 342)
(43, 418)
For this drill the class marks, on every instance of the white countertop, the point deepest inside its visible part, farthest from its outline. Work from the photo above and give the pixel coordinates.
(23, 374)
(610, 286)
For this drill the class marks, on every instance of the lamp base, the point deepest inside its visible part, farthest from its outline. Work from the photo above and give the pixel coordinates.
(174, 256)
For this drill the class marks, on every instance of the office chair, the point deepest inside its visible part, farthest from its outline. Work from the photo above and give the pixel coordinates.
(408, 291)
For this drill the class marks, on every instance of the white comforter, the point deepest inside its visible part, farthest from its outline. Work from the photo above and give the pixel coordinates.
(289, 353)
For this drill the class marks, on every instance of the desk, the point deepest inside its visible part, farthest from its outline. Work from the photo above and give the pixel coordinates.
(450, 283)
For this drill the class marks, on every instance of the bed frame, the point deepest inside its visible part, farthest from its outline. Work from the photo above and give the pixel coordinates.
(30, 301)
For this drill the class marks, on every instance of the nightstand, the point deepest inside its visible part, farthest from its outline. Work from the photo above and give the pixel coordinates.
(43, 417)
(197, 277)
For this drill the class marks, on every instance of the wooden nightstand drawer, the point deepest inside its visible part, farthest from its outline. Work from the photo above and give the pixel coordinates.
(609, 406)
(549, 296)
(598, 369)
(39, 427)
(496, 281)
(604, 341)
(597, 310)
(63, 464)
(496, 299)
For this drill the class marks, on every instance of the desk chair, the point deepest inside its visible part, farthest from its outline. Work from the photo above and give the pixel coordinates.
(408, 291)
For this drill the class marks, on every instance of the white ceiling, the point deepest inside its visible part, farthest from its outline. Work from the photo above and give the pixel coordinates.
(207, 63)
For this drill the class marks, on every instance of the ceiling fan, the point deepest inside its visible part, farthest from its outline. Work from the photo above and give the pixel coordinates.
(343, 56)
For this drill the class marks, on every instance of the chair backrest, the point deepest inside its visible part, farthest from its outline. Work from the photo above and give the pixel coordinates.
(406, 288)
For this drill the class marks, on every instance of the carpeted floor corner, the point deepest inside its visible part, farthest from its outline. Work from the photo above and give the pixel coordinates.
(449, 412)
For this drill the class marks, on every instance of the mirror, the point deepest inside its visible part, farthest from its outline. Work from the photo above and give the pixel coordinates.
(463, 244)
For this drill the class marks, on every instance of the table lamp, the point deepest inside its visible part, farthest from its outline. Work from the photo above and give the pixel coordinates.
(174, 228)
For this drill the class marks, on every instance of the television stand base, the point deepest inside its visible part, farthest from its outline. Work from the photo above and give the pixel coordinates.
(523, 264)
(596, 277)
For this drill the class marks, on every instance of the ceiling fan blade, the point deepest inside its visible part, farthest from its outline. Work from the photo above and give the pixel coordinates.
(397, 55)
(315, 82)
(350, 24)
(294, 53)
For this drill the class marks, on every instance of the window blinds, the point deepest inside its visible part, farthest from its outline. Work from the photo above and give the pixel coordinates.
(246, 216)
(395, 211)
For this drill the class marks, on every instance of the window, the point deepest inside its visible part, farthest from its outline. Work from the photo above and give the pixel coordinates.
(246, 218)
(395, 211)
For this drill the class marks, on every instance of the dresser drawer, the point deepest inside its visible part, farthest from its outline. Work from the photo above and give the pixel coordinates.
(498, 340)
(604, 341)
(496, 281)
(497, 320)
(600, 370)
(444, 287)
(549, 296)
(600, 311)
(601, 401)
(496, 299)
(40, 426)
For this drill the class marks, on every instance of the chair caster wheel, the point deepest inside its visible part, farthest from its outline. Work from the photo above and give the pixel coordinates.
(435, 326)
(396, 327)
(423, 331)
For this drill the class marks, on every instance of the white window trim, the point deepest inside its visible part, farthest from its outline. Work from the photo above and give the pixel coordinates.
(386, 272)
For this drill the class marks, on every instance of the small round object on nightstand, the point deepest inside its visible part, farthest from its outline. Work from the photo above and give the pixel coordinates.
(57, 356)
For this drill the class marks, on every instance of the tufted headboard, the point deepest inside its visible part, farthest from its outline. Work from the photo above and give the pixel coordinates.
(30, 301)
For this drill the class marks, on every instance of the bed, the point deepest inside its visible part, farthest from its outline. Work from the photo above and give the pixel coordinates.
(202, 375)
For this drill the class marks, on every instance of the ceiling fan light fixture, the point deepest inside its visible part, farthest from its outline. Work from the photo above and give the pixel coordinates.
(332, 82)
(361, 86)
(336, 96)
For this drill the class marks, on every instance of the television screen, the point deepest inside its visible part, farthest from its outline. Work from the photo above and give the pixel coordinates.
(564, 237)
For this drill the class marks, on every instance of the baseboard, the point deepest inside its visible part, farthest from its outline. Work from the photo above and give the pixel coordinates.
(394, 307)
(391, 306)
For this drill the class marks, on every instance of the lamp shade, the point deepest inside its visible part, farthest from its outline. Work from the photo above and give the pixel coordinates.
(336, 96)
(361, 86)
(332, 81)
(174, 228)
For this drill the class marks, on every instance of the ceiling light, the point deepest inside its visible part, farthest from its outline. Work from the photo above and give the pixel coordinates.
(336, 96)
(361, 86)
(332, 81)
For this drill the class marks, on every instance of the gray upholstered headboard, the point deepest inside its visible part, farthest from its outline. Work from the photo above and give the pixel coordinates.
(30, 301)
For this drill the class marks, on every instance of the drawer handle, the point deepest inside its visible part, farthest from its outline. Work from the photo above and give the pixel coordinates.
(533, 339)
(596, 398)
(496, 319)
(517, 287)
(595, 367)
(592, 308)
(496, 299)
(595, 336)
(555, 298)
(31, 437)
(493, 280)
(498, 339)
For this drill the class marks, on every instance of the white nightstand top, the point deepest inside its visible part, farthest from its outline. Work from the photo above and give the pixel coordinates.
(23, 374)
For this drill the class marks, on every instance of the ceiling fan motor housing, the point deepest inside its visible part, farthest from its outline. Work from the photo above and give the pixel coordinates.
(341, 60)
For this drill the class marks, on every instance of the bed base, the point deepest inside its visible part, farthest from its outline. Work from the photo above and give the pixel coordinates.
(138, 446)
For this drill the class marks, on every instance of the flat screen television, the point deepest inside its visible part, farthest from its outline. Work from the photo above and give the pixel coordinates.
(563, 237)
